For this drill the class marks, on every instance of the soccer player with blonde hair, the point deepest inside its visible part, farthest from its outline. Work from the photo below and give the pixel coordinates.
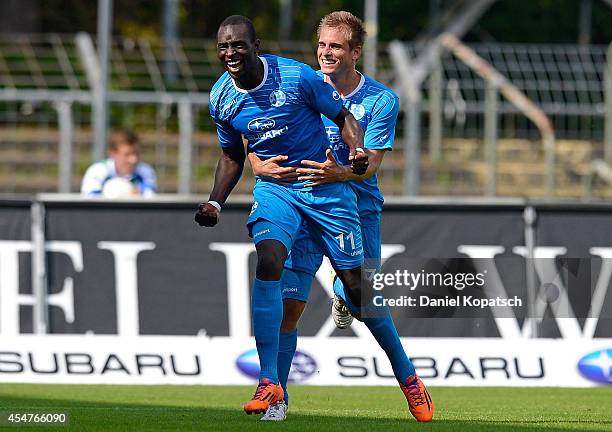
(340, 40)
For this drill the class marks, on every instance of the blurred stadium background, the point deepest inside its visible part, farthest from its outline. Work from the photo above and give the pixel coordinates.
(155, 62)
(502, 155)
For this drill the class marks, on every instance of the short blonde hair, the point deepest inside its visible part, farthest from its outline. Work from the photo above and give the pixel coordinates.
(351, 26)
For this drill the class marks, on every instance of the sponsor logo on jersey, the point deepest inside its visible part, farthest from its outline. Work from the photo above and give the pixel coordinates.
(262, 232)
(335, 95)
(333, 134)
(261, 124)
(267, 134)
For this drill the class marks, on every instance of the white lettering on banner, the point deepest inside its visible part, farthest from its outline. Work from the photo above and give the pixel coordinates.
(238, 282)
(126, 283)
(237, 274)
(601, 289)
(9, 285)
(65, 298)
(11, 299)
(562, 310)
(484, 261)
(237, 256)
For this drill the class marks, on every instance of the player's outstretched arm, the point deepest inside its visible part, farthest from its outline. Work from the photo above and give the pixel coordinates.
(352, 135)
(229, 170)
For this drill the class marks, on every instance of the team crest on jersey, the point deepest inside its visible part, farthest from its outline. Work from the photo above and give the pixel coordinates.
(278, 98)
(358, 111)
(335, 95)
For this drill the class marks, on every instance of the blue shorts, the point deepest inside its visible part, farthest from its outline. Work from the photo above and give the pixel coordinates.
(306, 254)
(330, 211)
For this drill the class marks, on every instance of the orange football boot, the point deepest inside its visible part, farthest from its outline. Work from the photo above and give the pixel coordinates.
(419, 401)
(266, 394)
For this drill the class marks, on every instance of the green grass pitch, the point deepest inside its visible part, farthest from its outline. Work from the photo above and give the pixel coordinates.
(347, 409)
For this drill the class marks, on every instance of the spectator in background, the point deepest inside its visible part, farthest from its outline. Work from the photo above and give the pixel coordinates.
(121, 175)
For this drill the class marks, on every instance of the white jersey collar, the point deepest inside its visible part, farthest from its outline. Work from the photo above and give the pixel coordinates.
(361, 83)
(263, 81)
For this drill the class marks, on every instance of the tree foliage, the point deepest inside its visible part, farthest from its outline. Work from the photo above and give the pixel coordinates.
(540, 21)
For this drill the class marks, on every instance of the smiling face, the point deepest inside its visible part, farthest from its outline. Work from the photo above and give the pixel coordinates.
(237, 51)
(334, 53)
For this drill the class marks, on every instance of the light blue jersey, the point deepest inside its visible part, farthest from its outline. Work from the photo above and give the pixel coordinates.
(281, 116)
(375, 107)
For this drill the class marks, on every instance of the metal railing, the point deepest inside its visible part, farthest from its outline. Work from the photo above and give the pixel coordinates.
(598, 169)
(47, 85)
(496, 82)
(566, 81)
(465, 85)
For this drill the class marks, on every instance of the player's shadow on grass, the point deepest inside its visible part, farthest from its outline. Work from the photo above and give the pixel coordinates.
(104, 416)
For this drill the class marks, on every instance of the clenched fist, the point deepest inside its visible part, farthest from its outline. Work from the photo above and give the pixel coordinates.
(359, 162)
(207, 215)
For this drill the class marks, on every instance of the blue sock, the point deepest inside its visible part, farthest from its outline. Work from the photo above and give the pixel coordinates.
(381, 325)
(386, 335)
(287, 344)
(267, 314)
(297, 283)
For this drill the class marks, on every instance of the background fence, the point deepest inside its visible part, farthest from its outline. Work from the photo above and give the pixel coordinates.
(161, 91)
